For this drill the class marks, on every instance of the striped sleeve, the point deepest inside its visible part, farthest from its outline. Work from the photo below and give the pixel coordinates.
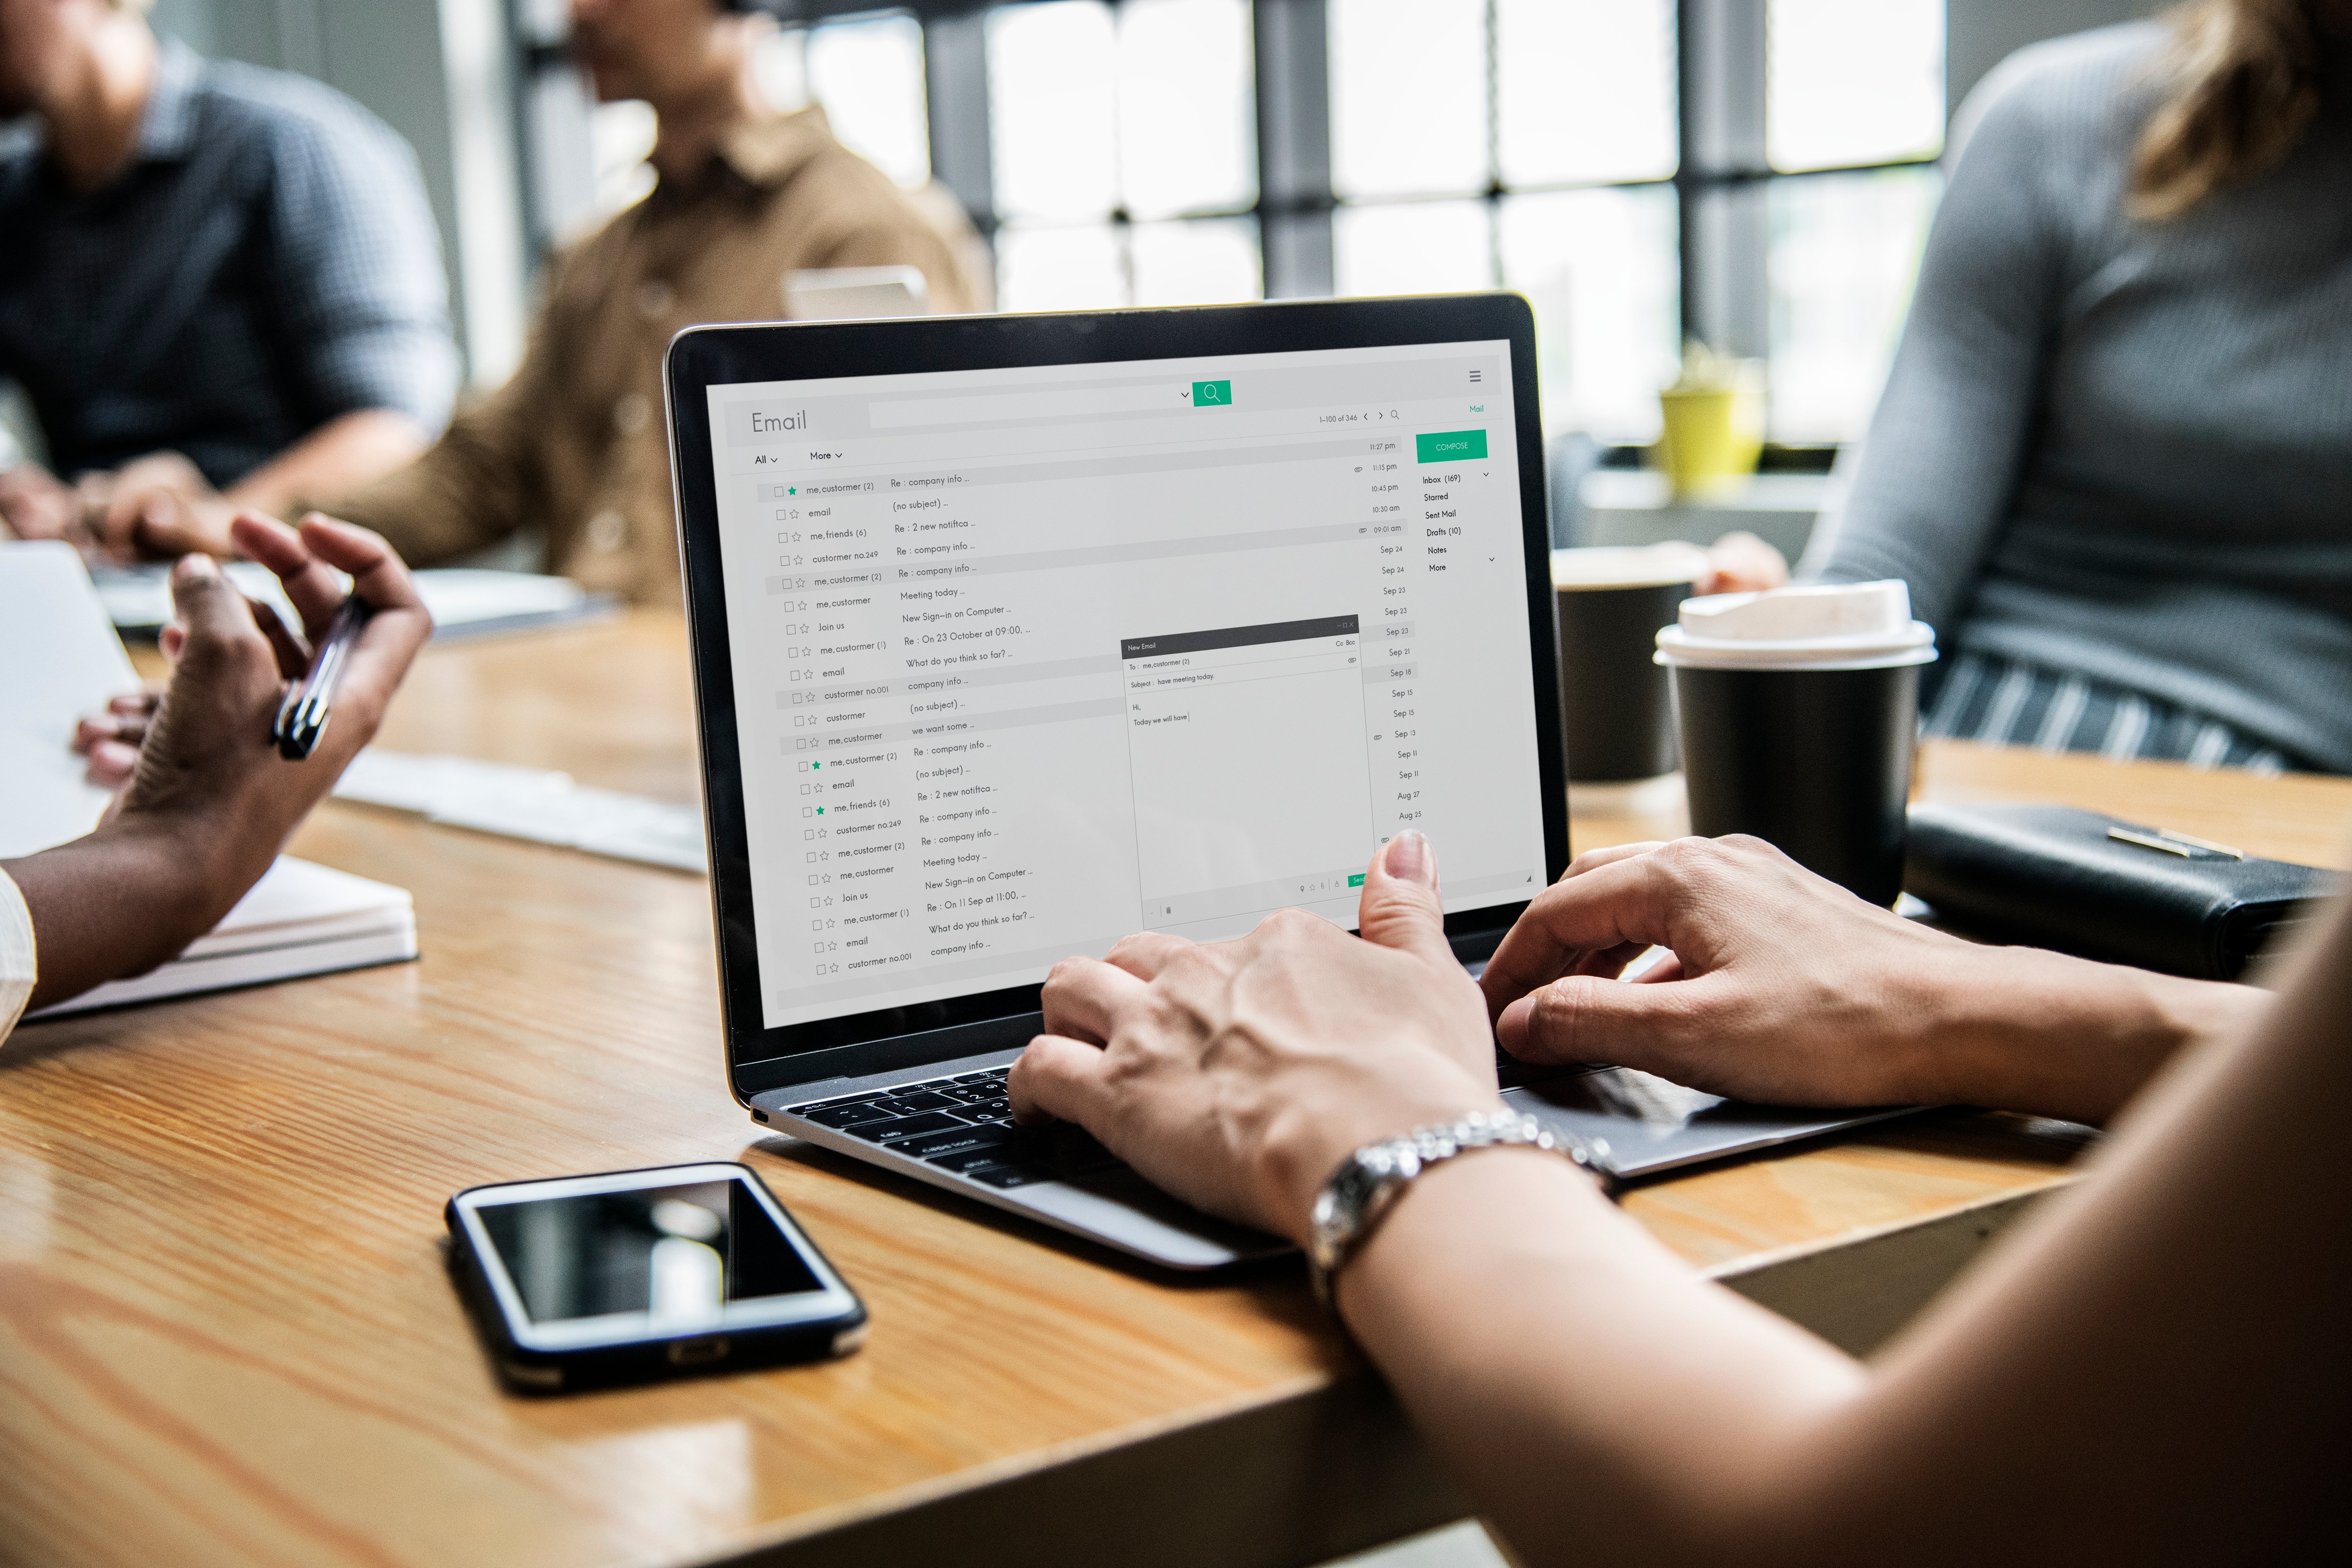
(16, 965)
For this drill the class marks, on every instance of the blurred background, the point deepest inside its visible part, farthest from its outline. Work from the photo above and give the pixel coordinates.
(1756, 174)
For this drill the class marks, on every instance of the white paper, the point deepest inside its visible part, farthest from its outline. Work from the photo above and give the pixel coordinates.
(532, 803)
(60, 660)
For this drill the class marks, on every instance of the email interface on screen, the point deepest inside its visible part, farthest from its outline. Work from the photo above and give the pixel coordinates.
(1028, 659)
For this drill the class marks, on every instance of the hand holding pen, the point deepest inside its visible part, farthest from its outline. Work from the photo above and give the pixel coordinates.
(209, 803)
(309, 702)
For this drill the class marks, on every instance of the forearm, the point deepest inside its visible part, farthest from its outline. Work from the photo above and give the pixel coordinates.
(1599, 1400)
(472, 488)
(2017, 1028)
(332, 461)
(113, 904)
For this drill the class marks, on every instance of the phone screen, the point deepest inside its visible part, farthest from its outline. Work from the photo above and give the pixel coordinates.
(678, 1252)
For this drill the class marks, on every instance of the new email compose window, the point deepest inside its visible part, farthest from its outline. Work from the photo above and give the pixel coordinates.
(1028, 659)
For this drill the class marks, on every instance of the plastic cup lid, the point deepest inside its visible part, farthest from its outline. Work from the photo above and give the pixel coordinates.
(1628, 567)
(1829, 626)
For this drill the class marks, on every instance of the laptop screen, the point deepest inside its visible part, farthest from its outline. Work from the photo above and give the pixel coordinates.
(1025, 659)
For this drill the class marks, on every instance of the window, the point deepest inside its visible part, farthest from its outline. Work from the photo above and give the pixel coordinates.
(1123, 153)
(1522, 144)
(1112, 152)
(1854, 81)
(1850, 83)
(587, 161)
(869, 77)
(1844, 255)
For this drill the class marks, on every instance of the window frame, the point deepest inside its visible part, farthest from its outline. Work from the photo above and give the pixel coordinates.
(1722, 181)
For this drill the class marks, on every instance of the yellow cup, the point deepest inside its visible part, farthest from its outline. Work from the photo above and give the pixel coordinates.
(1710, 437)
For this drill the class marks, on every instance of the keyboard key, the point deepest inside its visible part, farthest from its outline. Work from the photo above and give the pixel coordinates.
(922, 1099)
(994, 1074)
(1010, 1175)
(907, 1127)
(972, 1160)
(957, 1141)
(845, 1113)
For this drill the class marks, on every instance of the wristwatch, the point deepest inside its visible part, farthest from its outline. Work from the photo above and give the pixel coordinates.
(1369, 1181)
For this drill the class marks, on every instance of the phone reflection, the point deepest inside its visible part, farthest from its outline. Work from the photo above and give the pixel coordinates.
(677, 1254)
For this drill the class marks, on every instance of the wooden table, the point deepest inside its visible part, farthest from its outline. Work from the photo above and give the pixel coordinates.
(226, 1335)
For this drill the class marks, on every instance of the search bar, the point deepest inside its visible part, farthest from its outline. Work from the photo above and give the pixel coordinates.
(1073, 404)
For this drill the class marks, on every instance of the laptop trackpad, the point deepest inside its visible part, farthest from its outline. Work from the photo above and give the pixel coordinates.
(1650, 1124)
(1130, 1211)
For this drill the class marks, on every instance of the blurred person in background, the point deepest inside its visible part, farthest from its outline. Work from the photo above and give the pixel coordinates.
(2114, 459)
(574, 446)
(219, 286)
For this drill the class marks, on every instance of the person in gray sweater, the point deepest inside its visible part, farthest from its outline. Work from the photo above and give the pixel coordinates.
(2114, 458)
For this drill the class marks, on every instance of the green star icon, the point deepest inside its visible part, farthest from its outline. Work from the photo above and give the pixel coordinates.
(792, 489)
(820, 811)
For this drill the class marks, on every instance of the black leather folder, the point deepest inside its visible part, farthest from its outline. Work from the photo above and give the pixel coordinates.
(2052, 875)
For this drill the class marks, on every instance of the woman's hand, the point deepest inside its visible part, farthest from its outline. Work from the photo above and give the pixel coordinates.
(210, 801)
(1739, 563)
(1785, 989)
(1237, 1075)
(208, 752)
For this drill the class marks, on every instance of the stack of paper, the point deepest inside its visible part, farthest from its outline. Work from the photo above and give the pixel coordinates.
(60, 659)
(528, 803)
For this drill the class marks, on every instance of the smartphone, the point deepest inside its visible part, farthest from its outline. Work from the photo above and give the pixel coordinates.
(588, 1281)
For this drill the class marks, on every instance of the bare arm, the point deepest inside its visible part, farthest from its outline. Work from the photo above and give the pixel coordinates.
(331, 462)
(1788, 990)
(2153, 1372)
(162, 505)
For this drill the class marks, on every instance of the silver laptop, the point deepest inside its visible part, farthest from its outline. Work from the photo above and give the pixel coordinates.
(1012, 635)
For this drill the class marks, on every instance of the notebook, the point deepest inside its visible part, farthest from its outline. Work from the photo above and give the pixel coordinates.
(60, 659)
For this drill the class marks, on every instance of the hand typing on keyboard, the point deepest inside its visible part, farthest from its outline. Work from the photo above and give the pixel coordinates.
(1236, 1075)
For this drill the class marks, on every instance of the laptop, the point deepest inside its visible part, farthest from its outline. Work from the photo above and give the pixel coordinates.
(1012, 635)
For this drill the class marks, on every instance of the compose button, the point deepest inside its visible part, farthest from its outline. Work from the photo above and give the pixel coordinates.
(1450, 446)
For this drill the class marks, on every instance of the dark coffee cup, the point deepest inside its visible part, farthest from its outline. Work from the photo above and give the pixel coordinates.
(1616, 704)
(1799, 714)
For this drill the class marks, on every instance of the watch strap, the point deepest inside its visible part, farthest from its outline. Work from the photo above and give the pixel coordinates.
(1368, 1183)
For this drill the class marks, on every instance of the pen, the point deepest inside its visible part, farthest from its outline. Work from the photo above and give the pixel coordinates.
(302, 717)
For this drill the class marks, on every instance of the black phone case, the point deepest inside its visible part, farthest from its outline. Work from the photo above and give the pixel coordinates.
(526, 1371)
(2052, 875)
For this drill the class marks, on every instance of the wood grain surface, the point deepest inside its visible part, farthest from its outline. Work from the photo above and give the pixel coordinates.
(227, 1337)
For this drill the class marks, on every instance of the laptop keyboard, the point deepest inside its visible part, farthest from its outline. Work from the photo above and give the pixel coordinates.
(963, 1125)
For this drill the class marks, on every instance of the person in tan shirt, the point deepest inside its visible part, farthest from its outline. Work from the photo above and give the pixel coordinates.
(573, 445)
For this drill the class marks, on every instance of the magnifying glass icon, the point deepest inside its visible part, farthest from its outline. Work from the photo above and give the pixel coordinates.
(1218, 394)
